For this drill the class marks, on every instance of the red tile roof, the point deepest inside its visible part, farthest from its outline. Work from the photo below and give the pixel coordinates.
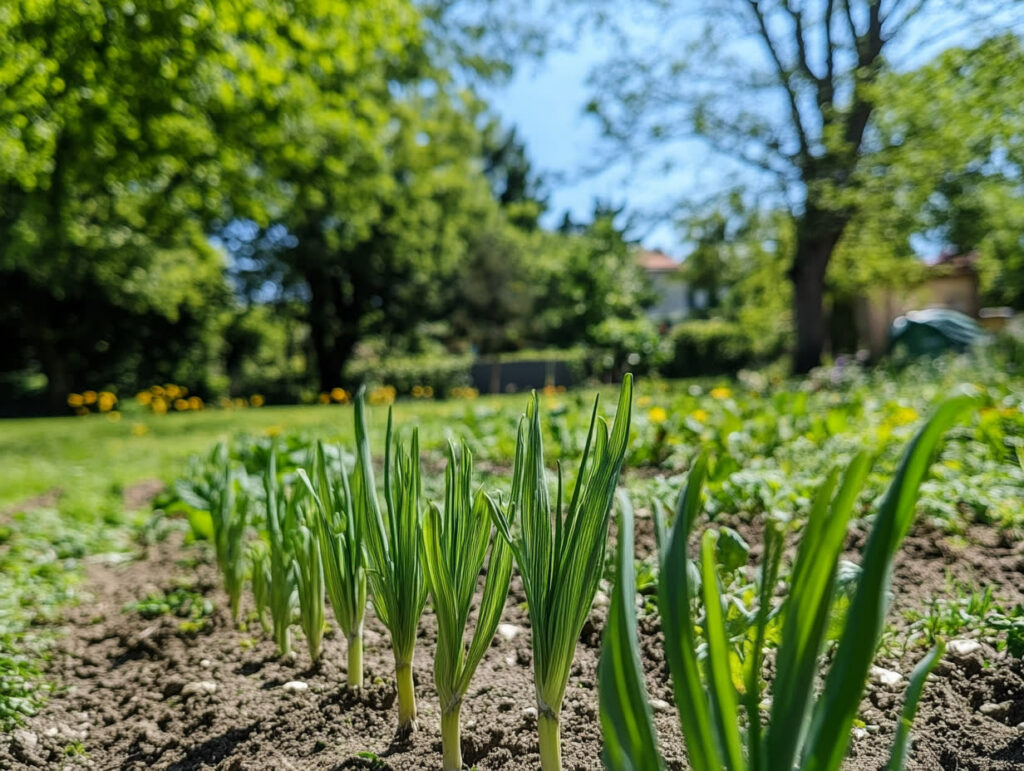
(656, 260)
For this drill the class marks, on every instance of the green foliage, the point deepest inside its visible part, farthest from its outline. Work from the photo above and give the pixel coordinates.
(621, 345)
(586, 278)
(810, 736)
(711, 347)
(392, 543)
(441, 372)
(966, 611)
(42, 563)
(338, 530)
(187, 605)
(952, 164)
(561, 567)
(278, 576)
(630, 741)
(309, 583)
(104, 191)
(455, 544)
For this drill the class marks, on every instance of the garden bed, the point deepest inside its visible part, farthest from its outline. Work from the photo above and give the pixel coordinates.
(133, 692)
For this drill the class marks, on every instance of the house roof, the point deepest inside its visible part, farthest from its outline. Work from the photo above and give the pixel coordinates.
(656, 260)
(952, 264)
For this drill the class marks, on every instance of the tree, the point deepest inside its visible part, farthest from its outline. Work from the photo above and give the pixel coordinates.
(588, 273)
(952, 167)
(787, 88)
(739, 257)
(515, 184)
(109, 163)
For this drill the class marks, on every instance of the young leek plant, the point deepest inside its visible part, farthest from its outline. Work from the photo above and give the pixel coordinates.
(338, 533)
(398, 590)
(309, 575)
(560, 553)
(801, 732)
(228, 517)
(279, 574)
(259, 569)
(455, 542)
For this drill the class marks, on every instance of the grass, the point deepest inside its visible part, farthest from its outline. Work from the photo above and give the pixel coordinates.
(91, 454)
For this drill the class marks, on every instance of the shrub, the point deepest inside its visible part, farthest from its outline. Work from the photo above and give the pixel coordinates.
(441, 373)
(626, 344)
(714, 347)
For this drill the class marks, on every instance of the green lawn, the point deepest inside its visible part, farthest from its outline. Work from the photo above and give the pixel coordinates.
(89, 455)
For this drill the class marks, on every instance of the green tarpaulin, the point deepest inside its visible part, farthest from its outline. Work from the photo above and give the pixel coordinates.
(934, 331)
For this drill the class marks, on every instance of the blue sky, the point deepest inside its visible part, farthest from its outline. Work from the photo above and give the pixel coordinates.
(545, 101)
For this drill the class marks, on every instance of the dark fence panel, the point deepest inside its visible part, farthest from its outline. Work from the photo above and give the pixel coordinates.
(511, 376)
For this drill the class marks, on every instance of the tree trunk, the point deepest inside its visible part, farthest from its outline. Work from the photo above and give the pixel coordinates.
(322, 323)
(333, 325)
(818, 232)
(58, 379)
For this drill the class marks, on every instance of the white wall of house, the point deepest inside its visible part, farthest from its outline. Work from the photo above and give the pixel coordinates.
(673, 297)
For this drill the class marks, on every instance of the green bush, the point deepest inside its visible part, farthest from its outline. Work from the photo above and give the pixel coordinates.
(439, 372)
(626, 345)
(1009, 343)
(715, 347)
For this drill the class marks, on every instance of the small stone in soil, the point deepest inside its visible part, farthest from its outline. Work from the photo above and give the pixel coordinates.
(508, 631)
(200, 686)
(963, 648)
(295, 686)
(530, 712)
(996, 711)
(885, 676)
(26, 739)
(660, 705)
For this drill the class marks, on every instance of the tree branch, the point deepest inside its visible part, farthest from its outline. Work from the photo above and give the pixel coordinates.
(827, 85)
(800, 40)
(785, 78)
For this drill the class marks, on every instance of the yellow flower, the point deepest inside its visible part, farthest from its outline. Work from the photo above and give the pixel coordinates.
(324, 398)
(80, 411)
(106, 401)
(657, 415)
(904, 415)
(157, 390)
(195, 403)
(144, 397)
(159, 406)
(274, 430)
(550, 390)
(340, 395)
(382, 395)
(417, 392)
(75, 400)
(257, 400)
(172, 391)
(89, 397)
(701, 415)
(139, 429)
(114, 416)
(720, 393)
(643, 401)
(239, 402)
(428, 392)
(181, 405)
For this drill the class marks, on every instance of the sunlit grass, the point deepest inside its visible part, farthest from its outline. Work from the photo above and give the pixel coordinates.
(91, 454)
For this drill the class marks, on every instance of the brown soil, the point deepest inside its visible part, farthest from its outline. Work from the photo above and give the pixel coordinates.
(123, 678)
